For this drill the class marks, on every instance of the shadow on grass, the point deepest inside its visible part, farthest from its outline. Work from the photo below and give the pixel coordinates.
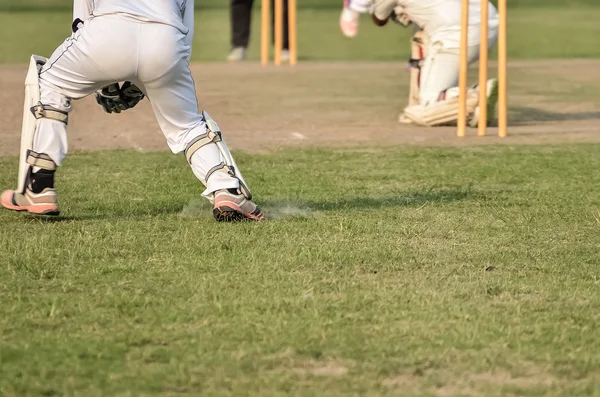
(108, 213)
(529, 114)
(437, 195)
(279, 209)
(287, 209)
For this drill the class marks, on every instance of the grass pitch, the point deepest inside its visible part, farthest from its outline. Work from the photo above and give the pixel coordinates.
(401, 271)
(408, 271)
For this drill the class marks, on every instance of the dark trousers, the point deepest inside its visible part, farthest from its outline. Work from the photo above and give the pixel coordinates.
(241, 18)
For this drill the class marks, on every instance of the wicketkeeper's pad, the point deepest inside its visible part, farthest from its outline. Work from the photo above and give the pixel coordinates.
(33, 110)
(213, 135)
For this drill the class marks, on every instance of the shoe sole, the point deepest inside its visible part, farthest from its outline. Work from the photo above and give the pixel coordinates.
(38, 209)
(233, 213)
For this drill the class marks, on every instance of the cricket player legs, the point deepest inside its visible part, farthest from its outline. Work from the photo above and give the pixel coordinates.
(93, 57)
(167, 81)
(99, 54)
(70, 73)
(438, 102)
(441, 68)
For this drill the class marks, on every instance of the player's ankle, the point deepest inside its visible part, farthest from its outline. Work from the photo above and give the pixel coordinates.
(43, 179)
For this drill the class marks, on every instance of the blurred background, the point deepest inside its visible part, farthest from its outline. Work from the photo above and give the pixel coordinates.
(538, 29)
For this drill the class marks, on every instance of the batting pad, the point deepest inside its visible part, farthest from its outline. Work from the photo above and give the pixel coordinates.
(32, 99)
(440, 113)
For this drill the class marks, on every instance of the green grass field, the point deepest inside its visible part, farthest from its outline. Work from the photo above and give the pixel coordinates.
(407, 271)
(383, 271)
(534, 33)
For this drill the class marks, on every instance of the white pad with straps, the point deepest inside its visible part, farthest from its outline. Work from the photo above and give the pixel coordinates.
(33, 109)
(213, 135)
(444, 112)
(419, 42)
(32, 98)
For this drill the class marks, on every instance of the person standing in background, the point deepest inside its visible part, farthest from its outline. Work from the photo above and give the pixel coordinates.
(241, 20)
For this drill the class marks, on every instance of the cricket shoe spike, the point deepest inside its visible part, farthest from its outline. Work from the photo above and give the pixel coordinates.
(491, 93)
(230, 205)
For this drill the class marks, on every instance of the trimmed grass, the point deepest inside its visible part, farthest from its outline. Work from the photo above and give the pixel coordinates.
(534, 33)
(407, 271)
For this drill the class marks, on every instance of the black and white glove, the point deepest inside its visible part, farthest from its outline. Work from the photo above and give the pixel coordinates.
(115, 99)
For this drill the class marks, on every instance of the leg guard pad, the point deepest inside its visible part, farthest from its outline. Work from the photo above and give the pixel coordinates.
(213, 135)
(418, 53)
(32, 99)
(40, 160)
(444, 112)
(45, 111)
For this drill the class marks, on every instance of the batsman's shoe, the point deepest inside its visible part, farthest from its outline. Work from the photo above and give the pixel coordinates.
(237, 54)
(349, 22)
(491, 103)
(43, 203)
(232, 206)
(285, 55)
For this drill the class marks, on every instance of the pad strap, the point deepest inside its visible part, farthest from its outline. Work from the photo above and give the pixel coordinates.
(199, 142)
(46, 111)
(40, 160)
(221, 167)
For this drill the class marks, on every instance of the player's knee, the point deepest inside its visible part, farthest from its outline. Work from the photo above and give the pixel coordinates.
(51, 95)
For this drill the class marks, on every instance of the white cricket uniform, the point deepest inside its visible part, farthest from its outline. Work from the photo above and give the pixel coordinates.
(441, 20)
(147, 42)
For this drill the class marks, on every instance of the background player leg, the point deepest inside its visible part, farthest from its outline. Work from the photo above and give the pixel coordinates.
(438, 103)
(241, 22)
(418, 44)
(285, 53)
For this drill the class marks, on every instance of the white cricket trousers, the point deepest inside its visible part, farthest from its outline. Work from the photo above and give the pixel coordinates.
(109, 49)
(440, 69)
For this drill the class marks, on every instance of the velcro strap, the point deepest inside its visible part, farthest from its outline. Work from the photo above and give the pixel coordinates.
(200, 141)
(41, 160)
(46, 111)
(220, 167)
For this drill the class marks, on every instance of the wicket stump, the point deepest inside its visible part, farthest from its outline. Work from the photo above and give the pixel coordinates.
(266, 30)
(483, 69)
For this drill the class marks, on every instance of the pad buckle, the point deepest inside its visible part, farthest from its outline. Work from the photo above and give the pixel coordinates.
(44, 111)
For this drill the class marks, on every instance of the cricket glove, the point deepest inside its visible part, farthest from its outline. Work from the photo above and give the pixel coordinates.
(114, 98)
